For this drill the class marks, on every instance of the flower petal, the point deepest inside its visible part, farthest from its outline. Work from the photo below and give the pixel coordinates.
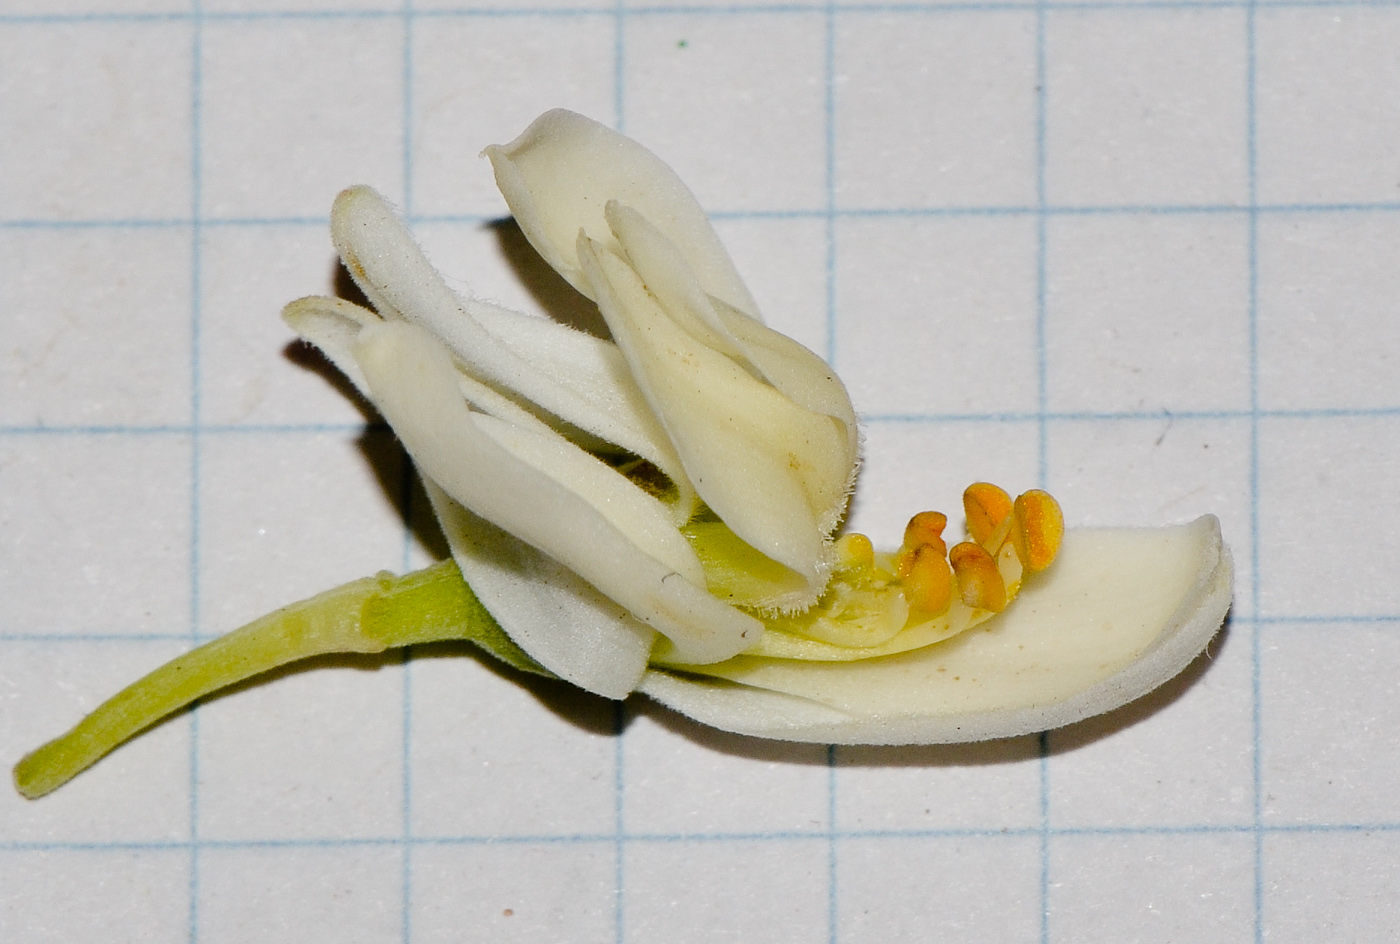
(633, 556)
(577, 378)
(558, 176)
(1119, 613)
(766, 466)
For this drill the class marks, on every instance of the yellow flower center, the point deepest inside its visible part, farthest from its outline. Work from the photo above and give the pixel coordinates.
(878, 604)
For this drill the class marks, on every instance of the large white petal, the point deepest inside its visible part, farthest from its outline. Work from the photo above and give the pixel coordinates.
(580, 379)
(1119, 613)
(795, 372)
(752, 454)
(414, 384)
(561, 172)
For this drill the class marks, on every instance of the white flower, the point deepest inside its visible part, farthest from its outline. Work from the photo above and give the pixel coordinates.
(580, 564)
(657, 512)
(524, 428)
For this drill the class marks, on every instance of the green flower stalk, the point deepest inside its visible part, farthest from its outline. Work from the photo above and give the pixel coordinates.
(661, 512)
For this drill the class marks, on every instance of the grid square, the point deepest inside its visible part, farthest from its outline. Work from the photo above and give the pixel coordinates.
(925, 305)
(65, 567)
(1327, 469)
(726, 890)
(97, 332)
(1146, 312)
(783, 261)
(142, 896)
(1152, 888)
(1325, 107)
(1328, 292)
(272, 501)
(300, 894)
(981, 889)
(1330, 886)
(134, 80)
(534, 758)
(312, 753)
(521, 66)
(295, 110)
(988, 786)
(1146, 107)
(253, 371)
(509, 893)
(1157, 471)
(936, 108)
(1328, 711)
(494, 261)
(754, 137)
(135, 794)
(908, 467)
(681, 778)
(1180, 757)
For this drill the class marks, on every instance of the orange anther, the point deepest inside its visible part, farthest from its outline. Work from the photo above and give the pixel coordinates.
(979, 582)
(1039, 527)
(928, 587)
(987, 507)
(926, 528)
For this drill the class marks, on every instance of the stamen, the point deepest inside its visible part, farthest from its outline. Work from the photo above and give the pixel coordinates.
(926, 528)
(979, 581)
(928, 585)
(987, 508)
(854, 551)
(1039, 527)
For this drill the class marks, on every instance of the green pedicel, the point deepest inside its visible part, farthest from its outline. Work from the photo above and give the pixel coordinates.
(365, 616)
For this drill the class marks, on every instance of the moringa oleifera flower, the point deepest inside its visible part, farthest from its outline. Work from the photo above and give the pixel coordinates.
(661, 512)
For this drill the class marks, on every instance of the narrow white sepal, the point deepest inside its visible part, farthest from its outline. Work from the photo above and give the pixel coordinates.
(579, 379)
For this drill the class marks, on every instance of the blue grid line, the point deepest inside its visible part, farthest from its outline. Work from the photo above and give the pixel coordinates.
(836, 212)
(833, 850)
(707, 838)
(196, 144)
(1048, 416)
(1256, 701)
(605, 10)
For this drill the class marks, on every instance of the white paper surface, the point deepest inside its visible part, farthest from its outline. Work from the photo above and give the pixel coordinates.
(1143, 255)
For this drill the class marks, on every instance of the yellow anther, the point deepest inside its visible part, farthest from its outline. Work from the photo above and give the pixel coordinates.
(979, 581)
(926, 528)
(854, 552)
(987, 507)
(928, 586)
(1039, 527)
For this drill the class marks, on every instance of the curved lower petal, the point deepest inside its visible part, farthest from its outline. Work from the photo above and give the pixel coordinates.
(414, 385)
(559, 174)
(1119, 613)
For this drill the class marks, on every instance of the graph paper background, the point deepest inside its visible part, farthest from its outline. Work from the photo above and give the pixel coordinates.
(1140, 253)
